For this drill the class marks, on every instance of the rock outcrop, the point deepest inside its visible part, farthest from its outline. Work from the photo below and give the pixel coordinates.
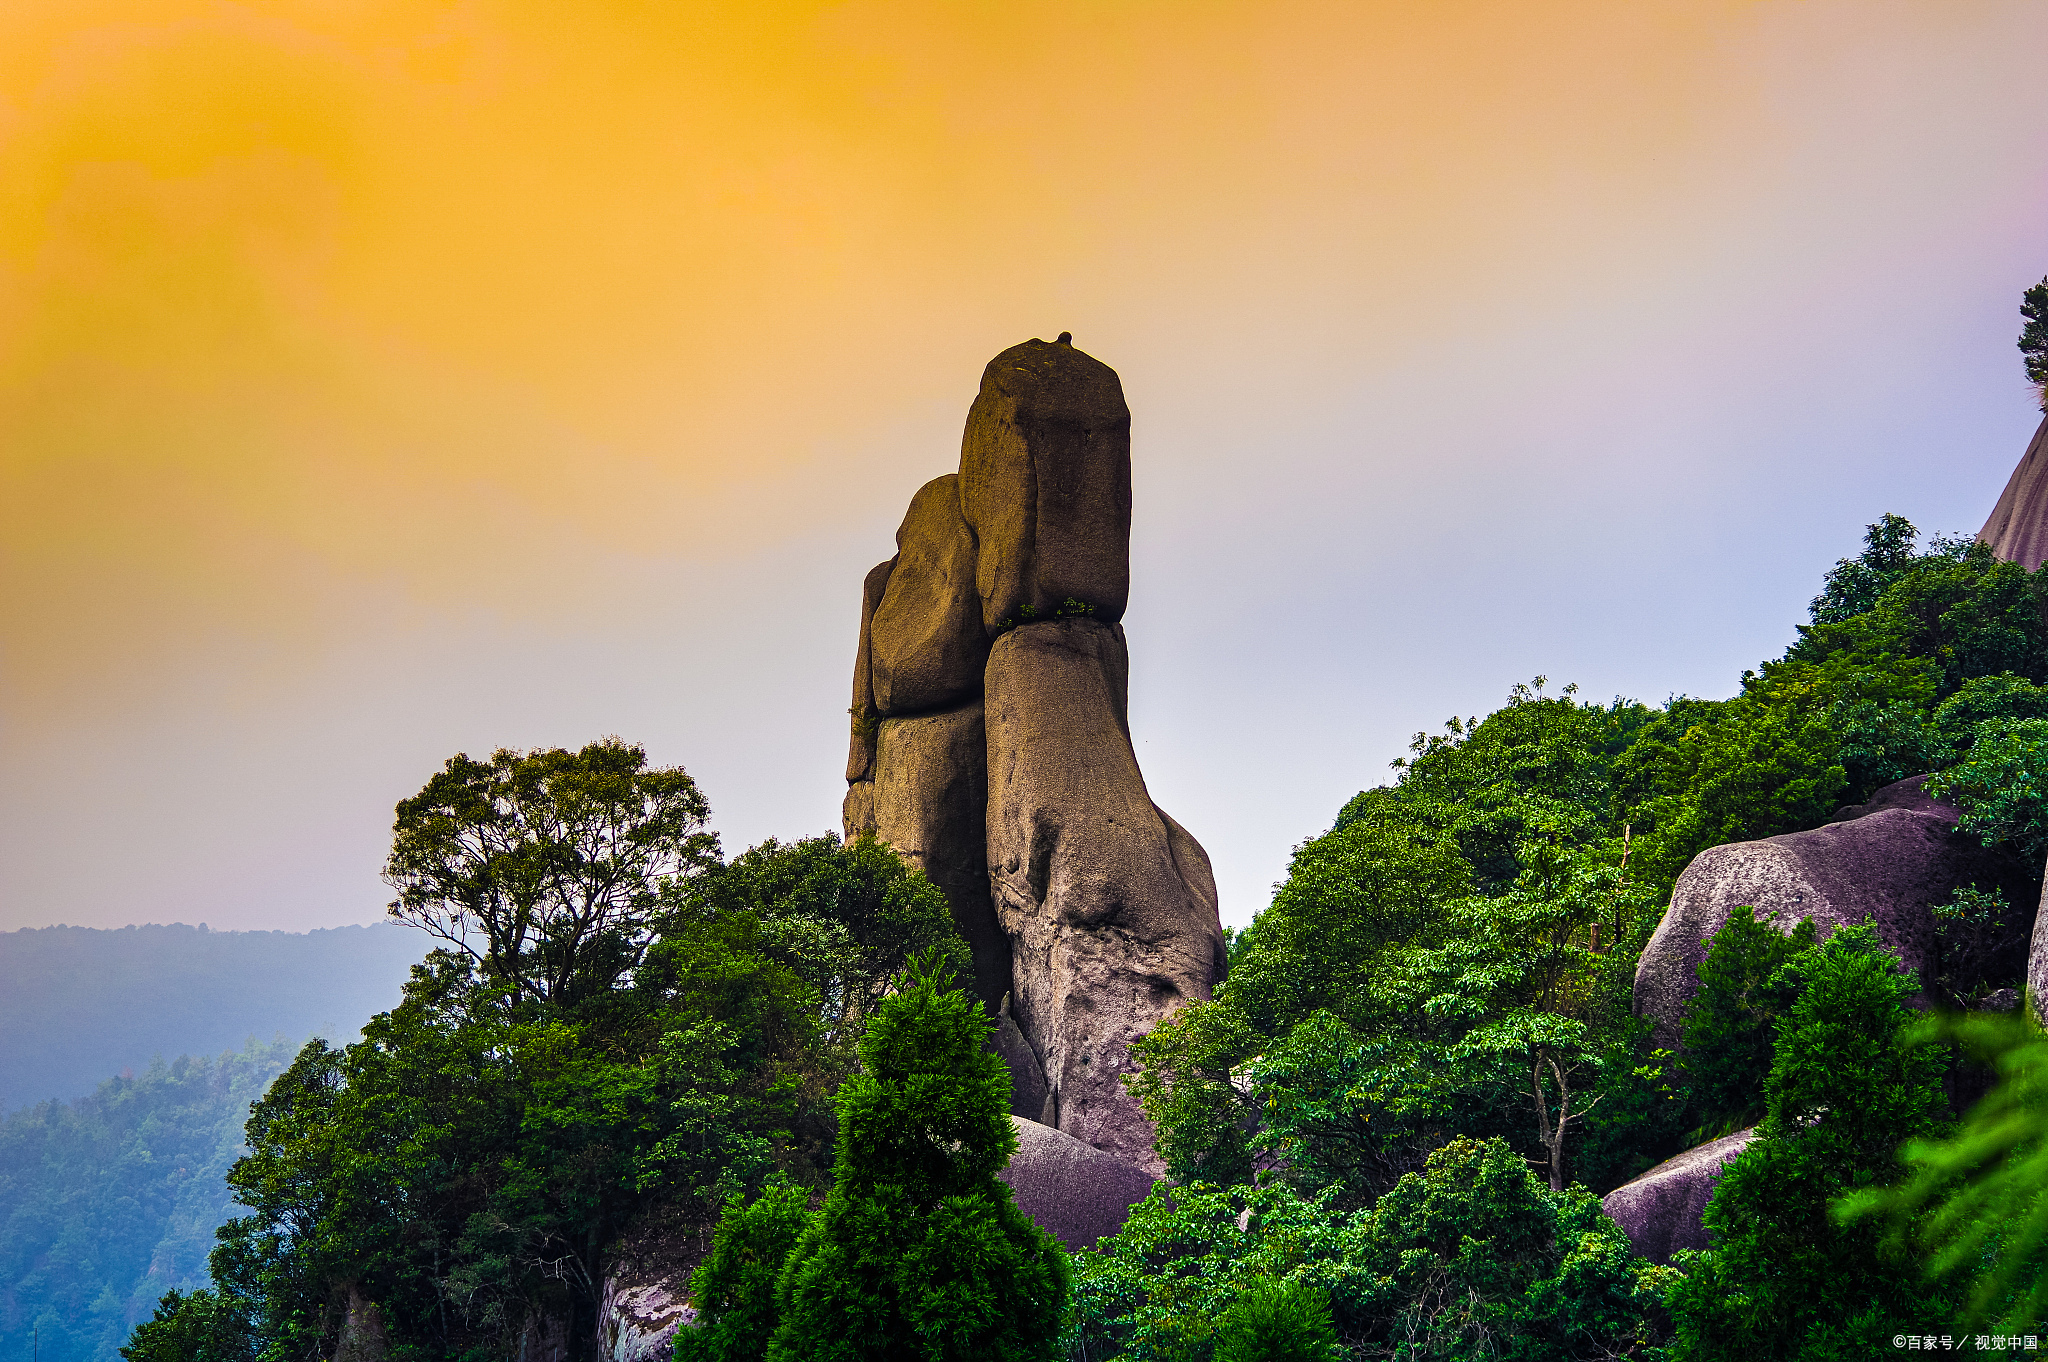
(2018, 528)
(1103, 916)
(637, 1320)
(2037, 959)
(991, 744)
(1071, 1190)
(860, 755)
(1660, 1211)
(930, 790)
(1892, 860)
(926, 641)
(363, 1337)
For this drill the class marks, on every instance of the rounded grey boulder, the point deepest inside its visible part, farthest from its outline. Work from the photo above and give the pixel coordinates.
(1660, 1211)
(1071, 1190)
(1892, 860)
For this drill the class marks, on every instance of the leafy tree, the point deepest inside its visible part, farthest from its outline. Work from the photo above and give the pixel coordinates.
(1469, 1257)
(1846, 1089)
(1707, 772)
(1976, 1203)
(919, 1250)
(734, 1289)
(2001, 786)
(844, 917)
(1391, 996)
(1854, 584)
(1997, 700)
(1730, 1025)
(2034, 336)
(1956, 607)
(548, 860)
(200, 1327)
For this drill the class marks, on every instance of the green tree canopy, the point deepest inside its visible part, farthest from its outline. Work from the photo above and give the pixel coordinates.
(545, 866)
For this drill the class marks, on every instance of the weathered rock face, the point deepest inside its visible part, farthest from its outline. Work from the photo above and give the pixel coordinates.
(640, 1312)
(2018, 528)
(1660, 1211)
(860, 756)
(1045, 482)
(1894, 862)
(1111, 910)
(1071, 1190)
(1090, 913)
(930, 797)
(2037, 958)
(1030, 1097)
(927, 645)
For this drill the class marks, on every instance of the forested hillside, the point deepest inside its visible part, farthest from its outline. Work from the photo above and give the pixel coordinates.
(78, 1003)
(109, 1201)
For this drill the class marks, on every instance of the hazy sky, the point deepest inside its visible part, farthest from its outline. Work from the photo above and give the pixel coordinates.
(385, 380)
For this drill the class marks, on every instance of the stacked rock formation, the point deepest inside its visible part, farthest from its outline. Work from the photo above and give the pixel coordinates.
(991, 744)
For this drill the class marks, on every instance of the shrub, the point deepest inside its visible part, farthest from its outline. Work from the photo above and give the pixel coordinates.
(734, 1289)
(1845, 1090)
(919, 1250)
(2001, 787)
(1284, 1321)
(1730, 1023)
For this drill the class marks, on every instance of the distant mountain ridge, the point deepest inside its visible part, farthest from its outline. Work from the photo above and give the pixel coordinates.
(80, 1003)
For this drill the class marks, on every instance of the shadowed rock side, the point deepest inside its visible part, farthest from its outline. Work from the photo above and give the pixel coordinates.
(2037, 958)
(930, 797)
(860, 755)
(1660, 1211)
(1030, 1098)
(1071, 1190)
(1045, 482)
(926, 643)
(1892, 863)
(1110, 908)
(2018, 528)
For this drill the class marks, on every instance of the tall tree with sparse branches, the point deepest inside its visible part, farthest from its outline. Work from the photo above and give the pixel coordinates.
(545, 866)
(2034, 337)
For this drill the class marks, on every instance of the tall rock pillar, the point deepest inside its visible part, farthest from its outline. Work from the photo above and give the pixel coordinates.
(991, 744)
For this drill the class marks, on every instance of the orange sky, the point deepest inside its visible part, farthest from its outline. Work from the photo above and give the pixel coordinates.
(511, 313)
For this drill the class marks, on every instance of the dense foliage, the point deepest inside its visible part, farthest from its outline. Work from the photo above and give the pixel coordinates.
(1469, 1257)
(1847, 1088)
(1385, 1136)
(635, 1024)
(108, 1201)
(918, 1251)
(1452, 962)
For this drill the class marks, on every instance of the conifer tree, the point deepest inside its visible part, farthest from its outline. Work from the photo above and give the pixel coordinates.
(919, 1251)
